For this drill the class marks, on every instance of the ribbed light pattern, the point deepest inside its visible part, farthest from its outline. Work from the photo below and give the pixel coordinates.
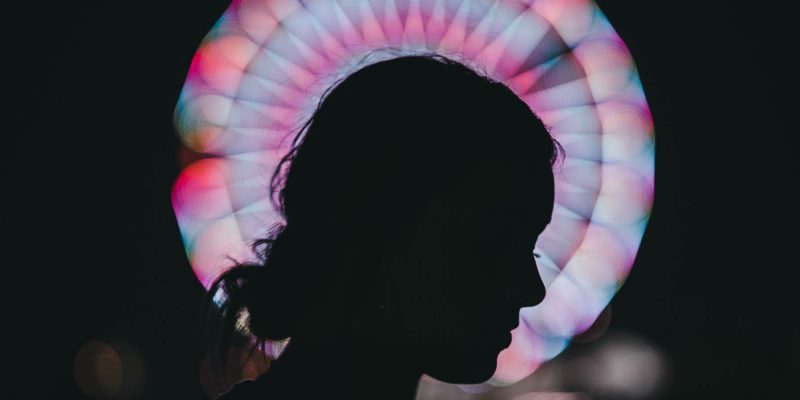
(261, 70)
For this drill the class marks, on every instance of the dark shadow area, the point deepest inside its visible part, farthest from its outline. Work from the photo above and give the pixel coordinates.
(92, 251)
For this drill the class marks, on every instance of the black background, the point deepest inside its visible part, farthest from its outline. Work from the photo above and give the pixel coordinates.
(94, 252)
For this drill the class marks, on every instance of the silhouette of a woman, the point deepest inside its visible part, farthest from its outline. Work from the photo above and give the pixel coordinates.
(412, 207)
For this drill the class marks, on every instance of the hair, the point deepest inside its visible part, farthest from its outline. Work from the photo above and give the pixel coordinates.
(380, 145)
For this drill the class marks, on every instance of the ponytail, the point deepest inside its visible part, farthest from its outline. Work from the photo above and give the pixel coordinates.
(251, 301)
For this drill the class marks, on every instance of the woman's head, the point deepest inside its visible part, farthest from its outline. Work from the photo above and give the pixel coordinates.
(412, 206)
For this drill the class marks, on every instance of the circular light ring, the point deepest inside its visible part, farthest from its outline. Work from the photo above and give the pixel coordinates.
(262, 69)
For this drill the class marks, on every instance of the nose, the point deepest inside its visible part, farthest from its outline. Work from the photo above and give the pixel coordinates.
(528, 289)
(527, 294)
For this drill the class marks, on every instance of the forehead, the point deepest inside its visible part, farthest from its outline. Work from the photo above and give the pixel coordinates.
(507, 193)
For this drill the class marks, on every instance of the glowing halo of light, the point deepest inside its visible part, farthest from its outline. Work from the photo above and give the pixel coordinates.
(265, 64)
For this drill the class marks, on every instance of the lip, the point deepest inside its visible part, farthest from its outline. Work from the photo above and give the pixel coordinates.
(501, 339)
(511, 326)
(514, 326)
(507, 339)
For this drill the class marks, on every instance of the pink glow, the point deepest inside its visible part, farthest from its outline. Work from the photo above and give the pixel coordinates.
(437, 25)
(263, 67)
(624, 198)
(521, 358)
(392, 25)
(601, 271)
(223, 61)
(216, 240)
(371, 27)
(255, 19)
(414, 32)
(349, 33)
(572, 18)
(628, 129)
(199, 192)
(455, 34)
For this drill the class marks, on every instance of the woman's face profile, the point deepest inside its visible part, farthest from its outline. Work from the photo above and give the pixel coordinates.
(469, 269)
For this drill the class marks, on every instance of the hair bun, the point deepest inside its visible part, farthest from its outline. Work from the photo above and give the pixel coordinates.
(271, 308)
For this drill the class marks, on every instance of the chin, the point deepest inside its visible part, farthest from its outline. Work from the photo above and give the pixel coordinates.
(476, 368)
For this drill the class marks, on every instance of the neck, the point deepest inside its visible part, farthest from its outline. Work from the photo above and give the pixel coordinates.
(355, 369)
